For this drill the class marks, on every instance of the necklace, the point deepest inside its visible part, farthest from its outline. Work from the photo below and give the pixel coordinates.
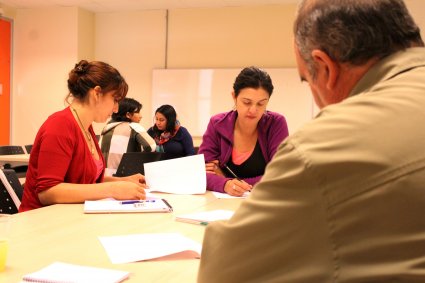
(85, 132)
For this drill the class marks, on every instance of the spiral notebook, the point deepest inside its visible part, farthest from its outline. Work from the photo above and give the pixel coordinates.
(127, 206)
(59, 272)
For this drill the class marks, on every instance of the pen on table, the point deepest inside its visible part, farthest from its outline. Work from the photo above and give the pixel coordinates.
(168, 204)
(136, 201)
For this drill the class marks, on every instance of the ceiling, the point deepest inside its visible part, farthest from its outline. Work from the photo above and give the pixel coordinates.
(100, 6)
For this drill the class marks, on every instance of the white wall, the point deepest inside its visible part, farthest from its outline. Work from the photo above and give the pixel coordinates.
(48, 42)
(45, 47)
(197, 38)
(134, 43)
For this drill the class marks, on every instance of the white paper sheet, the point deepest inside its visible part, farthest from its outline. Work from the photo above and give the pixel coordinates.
(224, 195)
(137, 247)
(65, 272)
(184, 175)
(205, 217)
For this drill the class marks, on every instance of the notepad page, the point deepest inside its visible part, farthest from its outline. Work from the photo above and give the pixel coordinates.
(137, 247)
(59, 272)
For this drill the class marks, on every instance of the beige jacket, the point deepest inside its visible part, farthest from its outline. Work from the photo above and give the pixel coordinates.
(343, 200)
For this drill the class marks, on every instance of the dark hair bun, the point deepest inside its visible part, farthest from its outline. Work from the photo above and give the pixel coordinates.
(81, 67)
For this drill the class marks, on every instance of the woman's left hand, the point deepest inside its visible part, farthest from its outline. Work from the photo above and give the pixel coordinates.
(213, 168)
(136, 178)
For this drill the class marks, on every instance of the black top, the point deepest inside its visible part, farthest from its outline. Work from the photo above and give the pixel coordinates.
(254, 166)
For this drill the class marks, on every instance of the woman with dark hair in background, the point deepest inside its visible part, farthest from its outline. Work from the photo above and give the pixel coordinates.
(66, 164)
(237, 145)
(123, 133)
(169, 135)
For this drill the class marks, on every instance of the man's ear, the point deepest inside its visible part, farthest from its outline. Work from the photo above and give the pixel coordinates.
(326, 67)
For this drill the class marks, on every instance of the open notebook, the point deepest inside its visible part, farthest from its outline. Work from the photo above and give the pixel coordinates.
(59, 272)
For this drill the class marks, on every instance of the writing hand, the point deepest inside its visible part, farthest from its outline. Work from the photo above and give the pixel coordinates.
(237, 187)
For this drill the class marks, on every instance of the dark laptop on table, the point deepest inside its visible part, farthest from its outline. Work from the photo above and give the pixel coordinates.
(132, 162)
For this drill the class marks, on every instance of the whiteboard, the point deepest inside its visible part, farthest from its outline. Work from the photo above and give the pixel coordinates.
(197, 94)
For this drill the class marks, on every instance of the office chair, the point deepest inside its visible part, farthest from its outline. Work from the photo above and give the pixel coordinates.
(11, 149)
(21, 170)
(10, 191)
(28, 148)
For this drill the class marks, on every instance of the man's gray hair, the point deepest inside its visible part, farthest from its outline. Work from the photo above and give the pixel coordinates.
(354, 31)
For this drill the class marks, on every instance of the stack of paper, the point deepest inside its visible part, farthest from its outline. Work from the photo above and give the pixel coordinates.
(205, 217)
(59, 272)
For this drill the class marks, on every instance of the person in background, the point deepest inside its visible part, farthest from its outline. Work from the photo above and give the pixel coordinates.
(169, 135)
(238, 145)
(123, 133)
(343, 200)
(66, 164)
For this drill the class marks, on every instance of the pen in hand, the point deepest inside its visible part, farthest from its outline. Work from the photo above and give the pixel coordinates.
(231, 172)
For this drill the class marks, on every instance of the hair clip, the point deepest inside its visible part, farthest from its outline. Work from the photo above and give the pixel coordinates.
(80, 69)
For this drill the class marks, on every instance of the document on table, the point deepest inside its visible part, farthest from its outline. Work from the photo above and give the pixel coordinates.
(138, 247)
(184, 175)
(205, 217)
(59, 272)
(224, 195)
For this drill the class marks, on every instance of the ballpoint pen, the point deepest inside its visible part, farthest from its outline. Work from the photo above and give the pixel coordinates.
(231, 172)
(136, 201)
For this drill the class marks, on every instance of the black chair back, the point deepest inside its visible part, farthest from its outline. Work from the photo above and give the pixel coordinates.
(10, 192)
(28, 148)
(11, 149)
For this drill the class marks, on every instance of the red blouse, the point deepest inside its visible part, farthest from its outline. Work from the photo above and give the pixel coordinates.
(59, 155)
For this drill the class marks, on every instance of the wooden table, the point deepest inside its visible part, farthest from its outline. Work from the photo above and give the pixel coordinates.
(64, 233)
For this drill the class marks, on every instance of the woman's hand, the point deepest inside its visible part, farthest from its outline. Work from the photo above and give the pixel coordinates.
(136, 178)
(213, 168)
(123, 190)
(237, 187)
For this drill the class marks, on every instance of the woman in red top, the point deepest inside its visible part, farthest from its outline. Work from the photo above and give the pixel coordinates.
(66, 164)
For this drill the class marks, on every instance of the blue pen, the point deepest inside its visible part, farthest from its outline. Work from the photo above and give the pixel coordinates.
(136, 201)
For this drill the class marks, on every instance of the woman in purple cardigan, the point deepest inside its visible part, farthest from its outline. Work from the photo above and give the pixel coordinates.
(238, 145)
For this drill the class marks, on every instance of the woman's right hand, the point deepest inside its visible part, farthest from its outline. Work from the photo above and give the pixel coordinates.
(235, 187)
(127, 190)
